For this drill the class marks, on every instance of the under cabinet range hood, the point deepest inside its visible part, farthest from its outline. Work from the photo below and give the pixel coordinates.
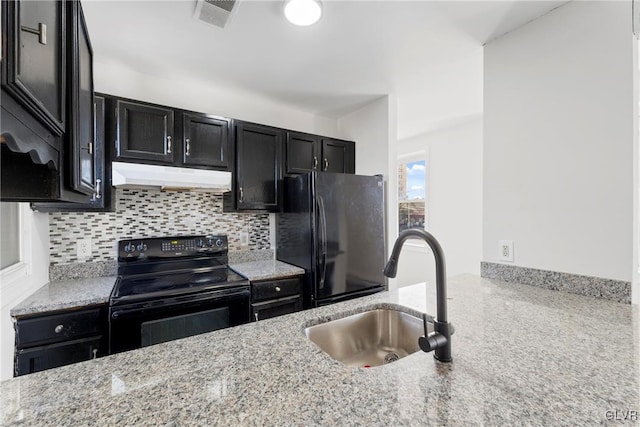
(134, 175)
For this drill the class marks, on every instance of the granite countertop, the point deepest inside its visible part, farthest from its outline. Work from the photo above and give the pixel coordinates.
(263, 270)
(64, 294)
(522, 356)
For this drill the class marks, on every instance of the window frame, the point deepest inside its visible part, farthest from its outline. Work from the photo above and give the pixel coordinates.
(23, 267)
(408, 158)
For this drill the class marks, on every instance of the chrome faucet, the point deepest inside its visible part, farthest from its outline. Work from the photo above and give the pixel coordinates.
(440, 339)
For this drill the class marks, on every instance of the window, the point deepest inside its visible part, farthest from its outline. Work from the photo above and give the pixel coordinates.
(412, 193)
(9, 234)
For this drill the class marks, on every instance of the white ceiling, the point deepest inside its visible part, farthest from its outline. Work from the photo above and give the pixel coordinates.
(426, 53)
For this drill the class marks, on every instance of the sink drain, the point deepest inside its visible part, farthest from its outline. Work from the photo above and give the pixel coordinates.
(390, 357)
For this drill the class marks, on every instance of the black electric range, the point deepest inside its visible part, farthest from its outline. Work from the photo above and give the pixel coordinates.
(174, 287)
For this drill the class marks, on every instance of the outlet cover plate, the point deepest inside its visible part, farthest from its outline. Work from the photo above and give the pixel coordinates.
(244, 238)
(83, 247)
(505, 250)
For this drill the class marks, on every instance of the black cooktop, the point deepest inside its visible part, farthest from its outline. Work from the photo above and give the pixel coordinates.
(179, 282)
(168, 267)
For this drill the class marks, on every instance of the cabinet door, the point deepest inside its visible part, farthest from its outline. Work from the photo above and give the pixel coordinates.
(34, 70)
(279, 307)
(258, 166)
(206, 141)
(338, 156)
(51, 356)
(144, 132)
(100, 200)
(81, 143)
(302, 153)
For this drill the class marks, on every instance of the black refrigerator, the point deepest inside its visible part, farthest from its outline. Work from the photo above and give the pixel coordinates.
(332, 225)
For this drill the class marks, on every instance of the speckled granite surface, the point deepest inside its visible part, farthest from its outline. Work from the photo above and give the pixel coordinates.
(522, 356)
(58, 295)
(614, 290)
(237, 257)
(81, 270)
(262, 270)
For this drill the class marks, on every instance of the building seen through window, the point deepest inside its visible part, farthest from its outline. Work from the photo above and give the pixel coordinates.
(411, 194)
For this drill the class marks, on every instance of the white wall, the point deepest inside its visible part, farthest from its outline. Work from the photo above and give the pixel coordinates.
(558, 141)
(206, 97)
(25, 281)
(454, 201)
(373, 127)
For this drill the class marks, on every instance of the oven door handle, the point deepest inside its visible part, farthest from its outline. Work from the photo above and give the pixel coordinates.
(118, 313)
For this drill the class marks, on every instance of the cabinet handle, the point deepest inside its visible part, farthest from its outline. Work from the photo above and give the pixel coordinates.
(90, 148)
(95, 353)
(277, 288)
(315, 163)
(41, 32)
(168, 144)
(58, 329)
(326, 164)
(255, 315)
(188, 144)
(241, 195)
(98, 188)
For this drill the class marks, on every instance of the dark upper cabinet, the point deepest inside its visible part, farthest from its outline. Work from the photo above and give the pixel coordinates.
(258, 167)
(205, 140)
(338, 156)
(144, 132)
(302, 153)
(34, 70)
(46, 123)
(81, 139)
(305, 153)
(101, 199)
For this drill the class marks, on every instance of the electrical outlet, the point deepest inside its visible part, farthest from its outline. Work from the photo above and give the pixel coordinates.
(83, 247)
(505, 250)
(244, 238)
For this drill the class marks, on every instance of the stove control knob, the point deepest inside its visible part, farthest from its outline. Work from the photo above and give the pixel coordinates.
(200, 243)
(219, 243)
(129, 247)
(209, 242)
(141, 247)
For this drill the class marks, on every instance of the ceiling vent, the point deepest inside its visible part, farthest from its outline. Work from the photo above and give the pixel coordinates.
(215, 12)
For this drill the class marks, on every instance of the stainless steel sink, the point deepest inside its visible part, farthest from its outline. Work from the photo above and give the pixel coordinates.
(368, 339)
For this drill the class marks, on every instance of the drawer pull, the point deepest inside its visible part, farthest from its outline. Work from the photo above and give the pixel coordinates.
(58, 329)
(278, 289)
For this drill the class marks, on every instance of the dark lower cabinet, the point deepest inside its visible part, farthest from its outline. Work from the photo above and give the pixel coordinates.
(51, 356)
(55, 339)
(258, 167)
(271, 298)
(144, 132)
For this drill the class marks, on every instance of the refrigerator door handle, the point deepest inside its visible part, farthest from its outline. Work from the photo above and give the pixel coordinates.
(323, 242)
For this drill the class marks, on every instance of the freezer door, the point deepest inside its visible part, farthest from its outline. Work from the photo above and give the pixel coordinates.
(351, 234)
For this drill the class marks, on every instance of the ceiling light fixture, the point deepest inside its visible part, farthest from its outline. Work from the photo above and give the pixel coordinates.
(303, 12)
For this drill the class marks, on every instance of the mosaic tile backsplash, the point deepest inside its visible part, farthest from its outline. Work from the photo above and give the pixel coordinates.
(151, 213)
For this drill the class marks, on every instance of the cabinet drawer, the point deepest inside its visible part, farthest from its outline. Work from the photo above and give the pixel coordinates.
(59, 327)
(261, 291)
